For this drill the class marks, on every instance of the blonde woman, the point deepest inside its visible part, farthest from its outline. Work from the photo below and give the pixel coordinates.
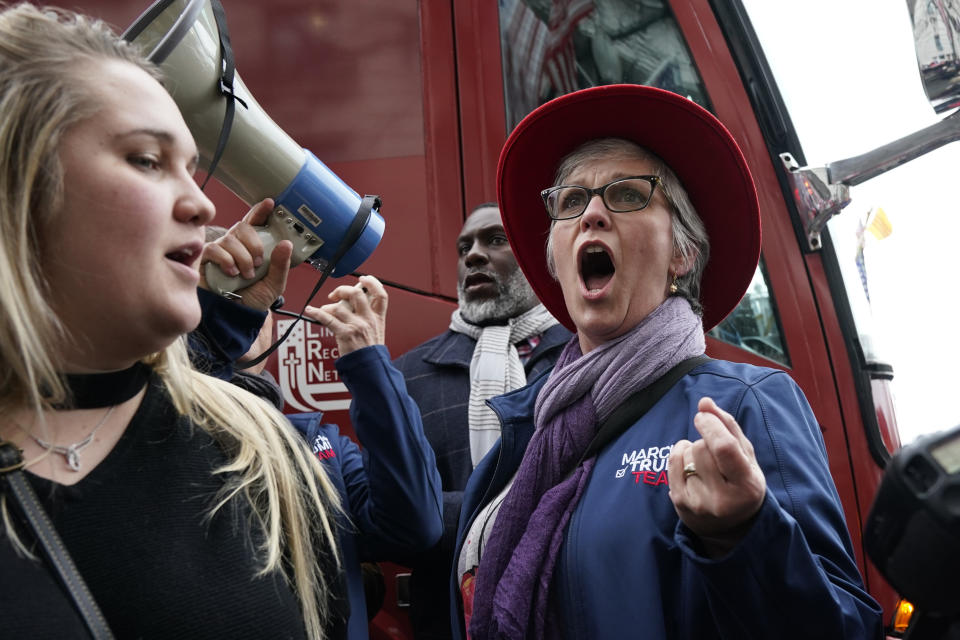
(189, 506)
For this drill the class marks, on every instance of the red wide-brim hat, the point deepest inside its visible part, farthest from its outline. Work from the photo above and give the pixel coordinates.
(689, 139)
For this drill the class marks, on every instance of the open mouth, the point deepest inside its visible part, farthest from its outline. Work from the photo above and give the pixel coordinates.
(596, 267)
(476, 280)
(186, 255)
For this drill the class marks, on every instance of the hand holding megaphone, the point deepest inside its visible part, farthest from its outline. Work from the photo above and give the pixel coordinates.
(242, 259)
(328, 223)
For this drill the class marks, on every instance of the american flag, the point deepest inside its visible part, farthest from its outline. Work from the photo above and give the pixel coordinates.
(539, 54)
(859, 259)
(861, 262)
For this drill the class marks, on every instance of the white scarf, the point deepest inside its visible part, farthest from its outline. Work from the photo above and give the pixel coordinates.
(496, 369)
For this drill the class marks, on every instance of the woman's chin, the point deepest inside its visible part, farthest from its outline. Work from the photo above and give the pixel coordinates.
(598, 327)
(180, 320)
(191, 320)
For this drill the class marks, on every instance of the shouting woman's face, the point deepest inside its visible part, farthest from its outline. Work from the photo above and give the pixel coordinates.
(613, 268)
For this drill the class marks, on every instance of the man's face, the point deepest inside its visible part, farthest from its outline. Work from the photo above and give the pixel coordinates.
(490, 285)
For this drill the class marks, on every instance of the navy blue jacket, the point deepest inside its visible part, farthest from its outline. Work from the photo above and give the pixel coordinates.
(629, 568)
(226, 332)
(437, 373)
(390, 492)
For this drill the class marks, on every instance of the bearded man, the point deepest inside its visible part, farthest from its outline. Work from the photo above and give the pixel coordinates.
(499, 337)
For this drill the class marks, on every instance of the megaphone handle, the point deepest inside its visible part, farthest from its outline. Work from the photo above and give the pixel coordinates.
(222, 284)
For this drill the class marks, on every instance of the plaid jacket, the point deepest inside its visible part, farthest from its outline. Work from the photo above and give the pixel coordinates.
(437, 373)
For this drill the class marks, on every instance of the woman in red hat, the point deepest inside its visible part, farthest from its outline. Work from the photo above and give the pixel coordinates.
(642, 489)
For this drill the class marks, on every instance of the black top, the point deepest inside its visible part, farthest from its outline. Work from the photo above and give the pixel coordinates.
(137, 527)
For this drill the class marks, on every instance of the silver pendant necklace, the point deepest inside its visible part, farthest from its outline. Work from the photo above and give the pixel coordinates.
(72, 452)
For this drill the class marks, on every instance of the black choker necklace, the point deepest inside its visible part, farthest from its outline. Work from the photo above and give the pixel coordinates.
(97, 390)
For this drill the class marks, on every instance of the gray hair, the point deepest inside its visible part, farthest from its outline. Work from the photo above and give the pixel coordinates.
(689, 234)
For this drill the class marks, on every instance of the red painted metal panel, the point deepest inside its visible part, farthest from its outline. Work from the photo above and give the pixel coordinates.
(391, 623)
(866, 473)
(886, 416)
(445, 199)
(811, 329)
(480, 77)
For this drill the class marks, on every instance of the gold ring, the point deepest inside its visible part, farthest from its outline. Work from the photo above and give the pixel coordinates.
(689, 469)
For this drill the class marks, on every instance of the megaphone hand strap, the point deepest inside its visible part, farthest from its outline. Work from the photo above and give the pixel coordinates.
(225, 87)
(359, 222)
(368, 204)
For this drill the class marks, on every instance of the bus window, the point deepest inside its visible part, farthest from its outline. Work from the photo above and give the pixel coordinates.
(754, 325)
(855, 239)
(554, 48)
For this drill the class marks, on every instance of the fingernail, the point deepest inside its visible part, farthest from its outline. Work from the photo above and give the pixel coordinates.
(258, 261)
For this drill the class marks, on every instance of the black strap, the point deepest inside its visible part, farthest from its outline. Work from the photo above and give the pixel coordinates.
(357, 225)
(638, 404)
(144, 21)
(225, 87)
(11, 463)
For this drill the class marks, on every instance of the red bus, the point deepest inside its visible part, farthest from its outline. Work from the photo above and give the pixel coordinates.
(412, 100)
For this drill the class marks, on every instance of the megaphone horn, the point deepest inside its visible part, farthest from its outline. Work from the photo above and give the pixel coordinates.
(329, 224)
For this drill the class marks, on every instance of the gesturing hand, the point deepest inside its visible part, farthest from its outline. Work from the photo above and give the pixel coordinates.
(716, 484)
(357, 315)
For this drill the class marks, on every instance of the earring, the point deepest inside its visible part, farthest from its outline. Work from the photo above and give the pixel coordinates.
(673, 286)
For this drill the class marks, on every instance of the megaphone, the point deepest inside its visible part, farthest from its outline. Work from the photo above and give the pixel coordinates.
(330, 225)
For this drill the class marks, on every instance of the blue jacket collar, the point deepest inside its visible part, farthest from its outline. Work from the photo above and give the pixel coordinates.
(519, 403)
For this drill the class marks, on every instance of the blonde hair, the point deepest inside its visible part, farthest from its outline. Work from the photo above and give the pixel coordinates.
(41, 97)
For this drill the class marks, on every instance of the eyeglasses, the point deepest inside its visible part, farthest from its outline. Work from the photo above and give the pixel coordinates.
(626, 194)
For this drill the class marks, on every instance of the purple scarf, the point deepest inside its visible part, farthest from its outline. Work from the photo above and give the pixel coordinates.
(516, 569)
